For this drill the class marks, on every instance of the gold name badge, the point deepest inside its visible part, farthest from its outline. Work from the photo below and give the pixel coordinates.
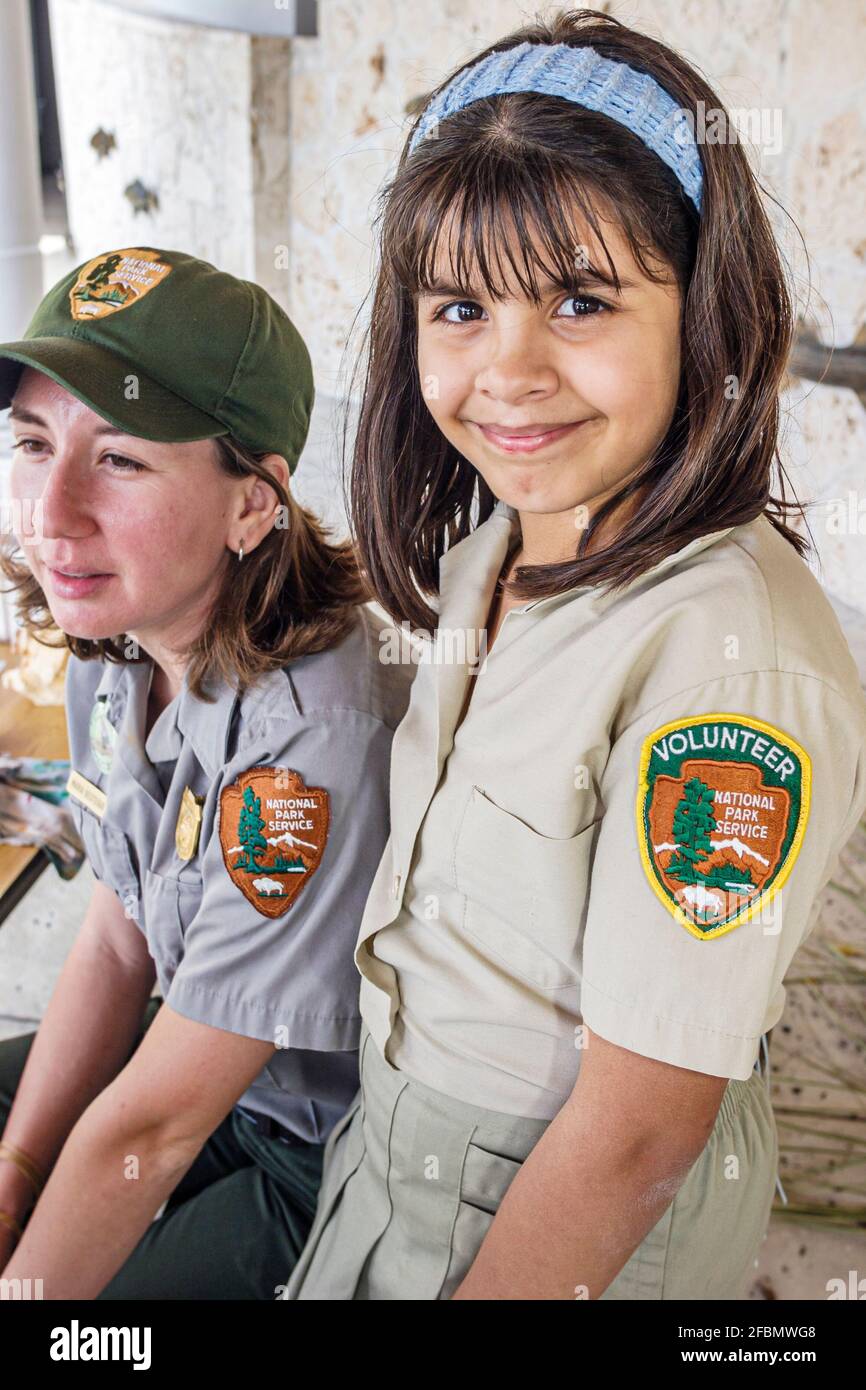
(90, 796)
(186, 831)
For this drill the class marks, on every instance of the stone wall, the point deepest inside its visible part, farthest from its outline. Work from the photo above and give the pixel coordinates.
(199, 116)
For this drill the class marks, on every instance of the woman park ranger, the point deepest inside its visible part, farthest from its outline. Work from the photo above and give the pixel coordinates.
(230, 728)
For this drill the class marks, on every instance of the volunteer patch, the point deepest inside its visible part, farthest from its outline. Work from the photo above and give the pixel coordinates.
(115, 280)
(273, 831)
(722, 805)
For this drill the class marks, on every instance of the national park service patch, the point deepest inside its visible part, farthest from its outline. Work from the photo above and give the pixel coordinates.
(115, 280)
(722, 806)
(273, 831)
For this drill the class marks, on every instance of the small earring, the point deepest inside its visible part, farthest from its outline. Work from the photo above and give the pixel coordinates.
(241, 551)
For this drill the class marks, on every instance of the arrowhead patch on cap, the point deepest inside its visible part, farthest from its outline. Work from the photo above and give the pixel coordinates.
(273, 831)
(722, 807)
(114, 281)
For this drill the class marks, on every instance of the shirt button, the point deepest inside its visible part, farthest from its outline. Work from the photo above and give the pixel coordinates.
(395, 890)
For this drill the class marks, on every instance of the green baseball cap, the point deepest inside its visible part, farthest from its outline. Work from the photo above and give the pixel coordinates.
(169, 348)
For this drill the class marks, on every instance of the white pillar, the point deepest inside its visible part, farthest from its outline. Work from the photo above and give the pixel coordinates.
(20, 177)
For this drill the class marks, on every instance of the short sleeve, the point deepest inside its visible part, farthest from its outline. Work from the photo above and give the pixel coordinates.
(290, 855)
(725, 810)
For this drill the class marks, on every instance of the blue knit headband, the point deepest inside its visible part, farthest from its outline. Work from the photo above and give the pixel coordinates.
(583, 76)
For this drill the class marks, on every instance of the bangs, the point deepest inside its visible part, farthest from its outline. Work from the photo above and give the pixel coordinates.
(503, 222)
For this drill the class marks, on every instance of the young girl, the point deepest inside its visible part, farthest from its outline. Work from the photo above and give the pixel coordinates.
(609, 835)
(230, 727)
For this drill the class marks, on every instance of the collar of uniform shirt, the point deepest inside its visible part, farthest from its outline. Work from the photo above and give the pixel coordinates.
(501, 523)
(204, 726)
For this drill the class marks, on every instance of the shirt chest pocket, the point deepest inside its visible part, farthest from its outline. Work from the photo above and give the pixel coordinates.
(169, 907)
(110, 859)
(524, 894)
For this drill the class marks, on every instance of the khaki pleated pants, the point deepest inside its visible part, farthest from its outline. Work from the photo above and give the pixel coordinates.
(412, 1180)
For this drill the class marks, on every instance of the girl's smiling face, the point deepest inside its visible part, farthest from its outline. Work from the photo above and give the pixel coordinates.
(130, 535)
(556, 403)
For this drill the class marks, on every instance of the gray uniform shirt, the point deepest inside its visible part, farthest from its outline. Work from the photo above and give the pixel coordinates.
(230, 955)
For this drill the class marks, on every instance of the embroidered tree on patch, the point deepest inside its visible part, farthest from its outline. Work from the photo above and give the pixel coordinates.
(250, 826)
(694, 822)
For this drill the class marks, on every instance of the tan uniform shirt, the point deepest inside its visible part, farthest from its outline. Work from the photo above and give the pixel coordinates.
(630, 827)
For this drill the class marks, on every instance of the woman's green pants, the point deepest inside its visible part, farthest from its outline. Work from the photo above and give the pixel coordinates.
(234, 1225)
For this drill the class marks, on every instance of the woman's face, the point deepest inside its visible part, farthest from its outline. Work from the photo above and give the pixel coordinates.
(555, 404)
(123, 535)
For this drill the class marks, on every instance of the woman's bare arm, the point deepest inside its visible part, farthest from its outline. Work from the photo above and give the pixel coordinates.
(82, 1042)
(601, 1176)
(130, 1149)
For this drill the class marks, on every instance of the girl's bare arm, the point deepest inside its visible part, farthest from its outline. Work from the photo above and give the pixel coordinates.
(601, 1176)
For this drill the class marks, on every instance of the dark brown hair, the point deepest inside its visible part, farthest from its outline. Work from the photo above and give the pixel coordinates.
(292, 595)
(523, 160)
